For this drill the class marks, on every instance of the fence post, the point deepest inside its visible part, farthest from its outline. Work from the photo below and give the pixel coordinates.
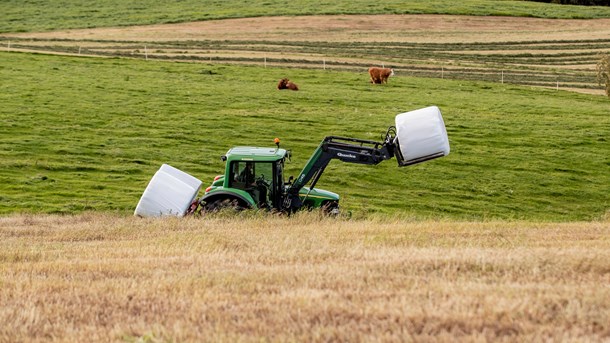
(145, 53)
(265, 61)
(502, 76)
(442, 72)
(324, 63)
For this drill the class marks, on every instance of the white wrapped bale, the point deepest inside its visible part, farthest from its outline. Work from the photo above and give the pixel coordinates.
(421, 135)
(169, 192)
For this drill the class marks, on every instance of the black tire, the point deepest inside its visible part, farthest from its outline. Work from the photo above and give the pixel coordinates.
(330, 208)
(222, 204)
(308, 205)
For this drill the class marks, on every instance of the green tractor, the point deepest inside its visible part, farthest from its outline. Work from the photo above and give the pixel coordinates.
(254, 177)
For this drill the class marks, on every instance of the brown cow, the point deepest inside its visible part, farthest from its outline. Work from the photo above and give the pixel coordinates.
(292, 86)
(287, 84)
(380, 75)
(282, 84)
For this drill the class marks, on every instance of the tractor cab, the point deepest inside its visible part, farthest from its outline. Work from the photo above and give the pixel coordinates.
(258, 172)
(254, 178)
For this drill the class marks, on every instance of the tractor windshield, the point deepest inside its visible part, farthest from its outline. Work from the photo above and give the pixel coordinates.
(256, 178)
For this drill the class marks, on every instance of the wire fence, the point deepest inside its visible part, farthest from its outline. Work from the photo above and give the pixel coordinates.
(556, 78)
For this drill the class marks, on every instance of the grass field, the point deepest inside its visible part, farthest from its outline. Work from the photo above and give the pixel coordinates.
(101, 278)
(88, 134)
(19, 16)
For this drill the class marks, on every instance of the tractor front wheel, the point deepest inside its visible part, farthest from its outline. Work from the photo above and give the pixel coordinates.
(330, 208)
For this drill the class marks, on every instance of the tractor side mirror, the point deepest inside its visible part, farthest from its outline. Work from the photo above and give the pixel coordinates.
(290, 179)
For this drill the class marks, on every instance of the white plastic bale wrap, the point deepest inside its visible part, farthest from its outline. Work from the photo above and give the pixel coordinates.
(169, 192)
(421, 133)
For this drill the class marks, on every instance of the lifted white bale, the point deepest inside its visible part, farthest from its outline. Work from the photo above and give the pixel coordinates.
(169, 192)
(421, 135)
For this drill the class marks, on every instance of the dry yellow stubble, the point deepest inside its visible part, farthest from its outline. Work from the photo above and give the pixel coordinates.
(101, 277)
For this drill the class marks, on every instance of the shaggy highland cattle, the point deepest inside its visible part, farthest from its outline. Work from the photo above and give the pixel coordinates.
(287, 84)
(380, 75)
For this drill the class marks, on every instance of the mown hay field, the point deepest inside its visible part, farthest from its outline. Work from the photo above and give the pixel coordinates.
(253, 278)
(527, 51)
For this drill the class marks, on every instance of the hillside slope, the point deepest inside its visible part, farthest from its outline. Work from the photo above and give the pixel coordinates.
(89, 133)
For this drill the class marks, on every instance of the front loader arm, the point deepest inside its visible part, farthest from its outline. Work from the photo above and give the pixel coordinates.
(418, 136)
(349, 150)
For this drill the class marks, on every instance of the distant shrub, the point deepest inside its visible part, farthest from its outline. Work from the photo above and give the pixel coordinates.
(603, 72)
(577, 2)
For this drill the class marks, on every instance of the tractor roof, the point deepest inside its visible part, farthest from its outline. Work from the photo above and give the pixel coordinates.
(247, 153)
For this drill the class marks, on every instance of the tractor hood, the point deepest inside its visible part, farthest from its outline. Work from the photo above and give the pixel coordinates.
(318, 193)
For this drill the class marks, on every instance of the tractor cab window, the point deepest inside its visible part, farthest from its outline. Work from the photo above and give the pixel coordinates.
(246, 173)
(253, 177)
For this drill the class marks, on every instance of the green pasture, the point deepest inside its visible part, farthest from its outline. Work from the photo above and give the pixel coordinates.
(82, 134)
(38, 15)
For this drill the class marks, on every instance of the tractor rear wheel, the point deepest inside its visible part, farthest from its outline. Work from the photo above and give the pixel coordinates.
(222, 204)
(192, 210)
